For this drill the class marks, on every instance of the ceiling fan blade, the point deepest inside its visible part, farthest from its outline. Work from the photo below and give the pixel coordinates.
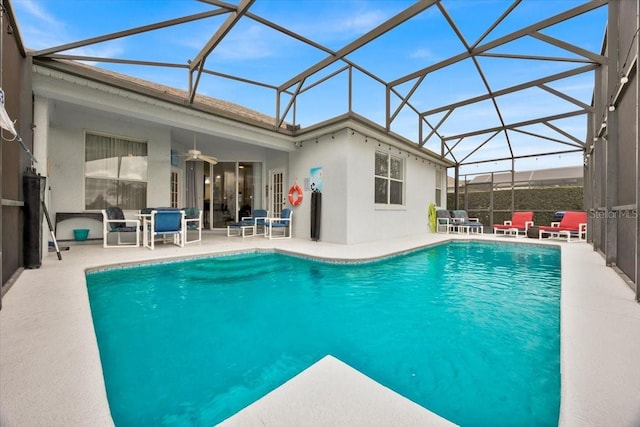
(209, 159)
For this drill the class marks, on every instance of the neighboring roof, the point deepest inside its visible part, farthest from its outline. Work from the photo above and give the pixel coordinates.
(566, 175)
(570, 173)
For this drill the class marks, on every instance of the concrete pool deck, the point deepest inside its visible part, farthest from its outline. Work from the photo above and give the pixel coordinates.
(50, 372)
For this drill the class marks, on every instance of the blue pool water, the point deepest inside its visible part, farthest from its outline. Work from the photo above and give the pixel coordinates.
(468, 330)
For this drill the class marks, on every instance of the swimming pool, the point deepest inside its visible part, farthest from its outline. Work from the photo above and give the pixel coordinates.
(469, 330)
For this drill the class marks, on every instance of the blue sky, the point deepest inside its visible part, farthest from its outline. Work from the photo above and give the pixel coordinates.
(256, 52)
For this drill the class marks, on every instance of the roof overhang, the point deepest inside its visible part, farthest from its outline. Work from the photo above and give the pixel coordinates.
(80, 86)
(372, 130)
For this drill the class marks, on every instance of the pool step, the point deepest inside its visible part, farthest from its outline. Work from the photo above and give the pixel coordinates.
(236, 268)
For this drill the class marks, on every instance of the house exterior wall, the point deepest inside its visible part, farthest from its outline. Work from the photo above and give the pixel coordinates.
(66, 151)
(349, 214)
(332, 156)
(66, 107)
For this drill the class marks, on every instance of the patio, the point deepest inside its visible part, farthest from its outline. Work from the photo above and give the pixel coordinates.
(51, 372)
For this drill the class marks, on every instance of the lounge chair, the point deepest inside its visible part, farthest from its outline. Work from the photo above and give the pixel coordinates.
(572, 225)
(248, 224)
(192, 222)
(519, 224)
(281, 225)
(444, 222)
(114, 221)
(463, 224)
(165, 222)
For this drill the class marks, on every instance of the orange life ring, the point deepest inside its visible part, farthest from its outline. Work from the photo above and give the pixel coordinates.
(295, 189)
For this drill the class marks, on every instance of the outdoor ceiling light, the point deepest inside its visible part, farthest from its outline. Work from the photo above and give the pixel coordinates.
(624, 79)
(612, 108)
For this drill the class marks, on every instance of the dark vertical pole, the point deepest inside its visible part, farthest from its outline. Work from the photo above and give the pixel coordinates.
(491, 221)
(613, 80)
(513, 184)
(596, 165)
(33, 190)
(350, 95)
(316, 210)
(466, 194)
(637, 248)
(456, 186)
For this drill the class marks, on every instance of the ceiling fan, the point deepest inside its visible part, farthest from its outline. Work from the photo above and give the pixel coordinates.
(195, 154)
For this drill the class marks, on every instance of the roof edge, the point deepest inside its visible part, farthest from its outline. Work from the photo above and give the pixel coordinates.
(372, 129)
(162, 93)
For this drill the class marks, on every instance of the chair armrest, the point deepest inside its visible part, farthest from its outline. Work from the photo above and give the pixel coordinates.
(582, 227)
(126, 221)
(508, 222)
(188, 220)
(269, 220)
(555, 224)
(528, 224)
(474, 220)
(259, 218)
(245, 218)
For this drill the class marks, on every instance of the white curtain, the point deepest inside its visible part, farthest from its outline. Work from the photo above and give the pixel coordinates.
(115, 172)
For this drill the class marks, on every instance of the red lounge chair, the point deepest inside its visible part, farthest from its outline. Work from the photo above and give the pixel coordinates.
(520, 223)
(573, 224)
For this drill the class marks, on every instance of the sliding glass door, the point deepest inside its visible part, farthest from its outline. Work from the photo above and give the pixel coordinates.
(234, 191)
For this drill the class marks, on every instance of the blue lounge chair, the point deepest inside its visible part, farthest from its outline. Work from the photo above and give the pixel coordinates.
(281, 226)
(114, 221)
(165, 222)
(444, 222)
(463, 224)
(192, 222)
(248, 224)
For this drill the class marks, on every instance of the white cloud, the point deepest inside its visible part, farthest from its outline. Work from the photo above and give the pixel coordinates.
(359, 23)
(242, 43)
(37, 12)
(113, 50)
(422, 53)
(250, 43)
(42, 29)
(342, 24)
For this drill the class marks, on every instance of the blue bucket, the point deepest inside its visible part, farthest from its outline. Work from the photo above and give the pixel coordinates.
(81, 234)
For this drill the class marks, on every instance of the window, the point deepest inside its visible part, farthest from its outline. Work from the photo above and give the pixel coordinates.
(115, 172)
(438, 187)
(389, 179)
(174, 190)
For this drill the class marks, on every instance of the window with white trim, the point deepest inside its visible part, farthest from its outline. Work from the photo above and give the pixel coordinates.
(175, 193)
(389, 179)
(115, 172)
